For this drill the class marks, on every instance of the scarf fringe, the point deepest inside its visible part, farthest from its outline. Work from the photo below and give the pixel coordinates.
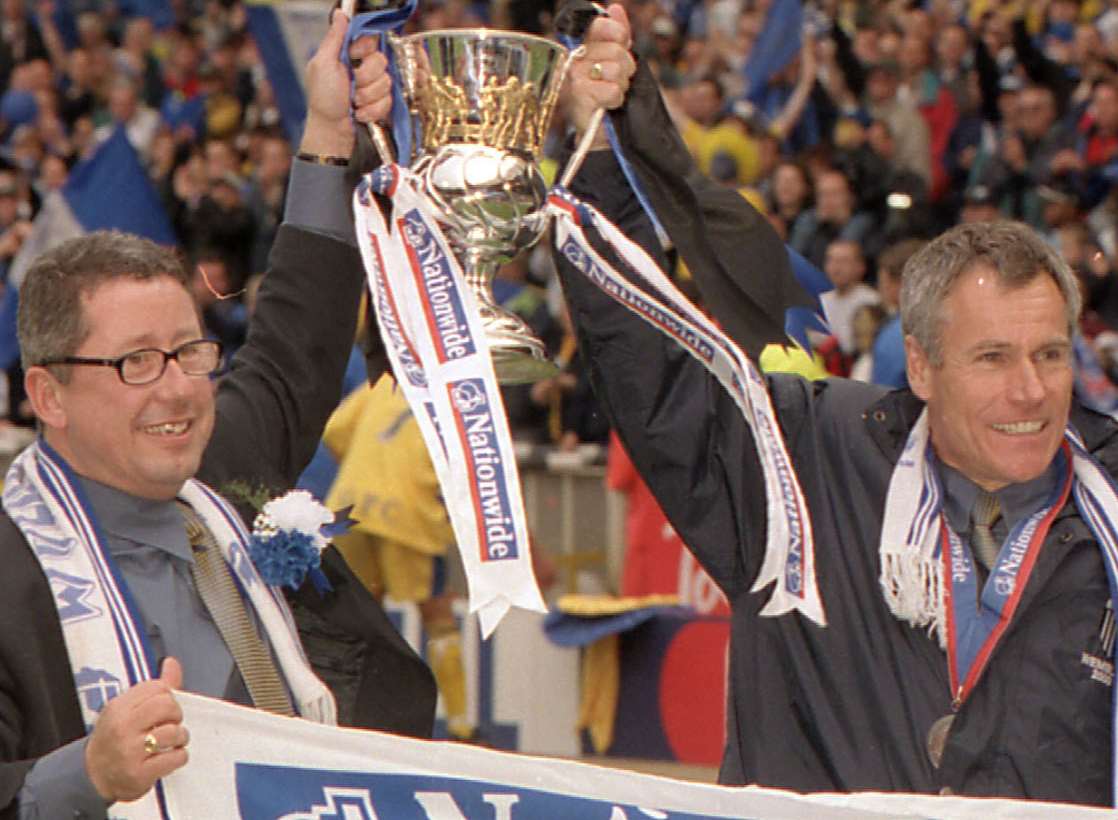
(913, 590)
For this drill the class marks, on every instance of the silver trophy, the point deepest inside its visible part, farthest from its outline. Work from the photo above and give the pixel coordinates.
(480, 103)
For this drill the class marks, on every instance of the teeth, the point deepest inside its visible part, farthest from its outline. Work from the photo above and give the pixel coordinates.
(1020, 427)
(168, 429)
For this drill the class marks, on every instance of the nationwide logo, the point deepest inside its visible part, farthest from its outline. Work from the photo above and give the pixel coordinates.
(960, 566)
(473, 413)
(444, 306)
(468, 397)
(1009, 564)
(1005, 584)
(391, 326)
(794, 570)
(662, 318)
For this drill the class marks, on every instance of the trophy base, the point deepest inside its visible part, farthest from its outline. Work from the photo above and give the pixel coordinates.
(520, 362)
(518, 356)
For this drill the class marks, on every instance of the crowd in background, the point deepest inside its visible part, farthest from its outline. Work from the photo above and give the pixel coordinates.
(882, 124)
(897, 120)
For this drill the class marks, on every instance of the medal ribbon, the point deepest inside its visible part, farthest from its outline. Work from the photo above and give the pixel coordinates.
(430, 326)
(974, 628)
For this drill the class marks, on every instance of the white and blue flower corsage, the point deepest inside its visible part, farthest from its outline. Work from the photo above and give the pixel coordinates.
(288, 537)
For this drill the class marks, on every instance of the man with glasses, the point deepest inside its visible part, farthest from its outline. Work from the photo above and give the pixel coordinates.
(125, 574)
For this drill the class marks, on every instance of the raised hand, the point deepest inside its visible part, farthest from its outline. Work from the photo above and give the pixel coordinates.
(330, 107)
(600, 79)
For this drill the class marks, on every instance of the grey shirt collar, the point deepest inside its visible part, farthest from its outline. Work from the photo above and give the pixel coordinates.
(126, 518)
(1017, 500)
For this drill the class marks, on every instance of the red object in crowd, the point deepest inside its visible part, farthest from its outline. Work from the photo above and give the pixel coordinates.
(656, 560)
(835, 361)
(941, 115)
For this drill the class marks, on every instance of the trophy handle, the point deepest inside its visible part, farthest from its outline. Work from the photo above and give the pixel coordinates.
(383, 146)
(583, 148)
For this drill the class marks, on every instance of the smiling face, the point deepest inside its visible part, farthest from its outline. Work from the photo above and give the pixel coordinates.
(999, 401)
(143, 439)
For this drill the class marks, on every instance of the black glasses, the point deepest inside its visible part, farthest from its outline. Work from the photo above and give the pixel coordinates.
(201, 357)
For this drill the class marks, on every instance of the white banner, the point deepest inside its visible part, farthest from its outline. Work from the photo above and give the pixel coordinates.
(258, 766)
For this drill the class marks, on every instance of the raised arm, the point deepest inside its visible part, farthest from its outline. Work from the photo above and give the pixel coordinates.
(287, 379)
(680, 428)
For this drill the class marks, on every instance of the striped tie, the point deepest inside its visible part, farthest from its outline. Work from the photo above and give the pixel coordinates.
(219, 592)
(985, 512)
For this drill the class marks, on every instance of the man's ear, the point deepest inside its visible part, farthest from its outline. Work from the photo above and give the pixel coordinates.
(44, 392)
(918, 367)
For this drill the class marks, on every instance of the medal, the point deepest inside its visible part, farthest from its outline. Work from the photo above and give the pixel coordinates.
(937, 739)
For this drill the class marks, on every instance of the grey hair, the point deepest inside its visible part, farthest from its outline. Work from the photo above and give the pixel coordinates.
(1013, 250)
(51, 321)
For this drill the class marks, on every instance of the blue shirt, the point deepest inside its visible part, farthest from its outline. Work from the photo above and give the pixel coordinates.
(1017, 501)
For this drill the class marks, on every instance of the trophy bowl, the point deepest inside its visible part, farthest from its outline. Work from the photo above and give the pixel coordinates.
(480, 102)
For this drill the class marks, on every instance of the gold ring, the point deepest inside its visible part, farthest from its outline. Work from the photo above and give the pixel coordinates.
(596, 72)
(151, 745)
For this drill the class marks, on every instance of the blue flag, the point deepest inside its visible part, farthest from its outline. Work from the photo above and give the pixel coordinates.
(777, 45)
(109, 190)
(287, 35)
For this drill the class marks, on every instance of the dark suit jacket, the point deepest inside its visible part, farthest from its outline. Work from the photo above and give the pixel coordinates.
(271, 408)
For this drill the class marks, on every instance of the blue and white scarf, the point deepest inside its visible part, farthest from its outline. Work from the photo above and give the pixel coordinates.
(639, 285)
(911, 570)
(431, 329)
(104, 635)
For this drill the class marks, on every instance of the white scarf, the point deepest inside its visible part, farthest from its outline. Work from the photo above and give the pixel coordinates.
(911, 569)
(103, 633)
(789, 545)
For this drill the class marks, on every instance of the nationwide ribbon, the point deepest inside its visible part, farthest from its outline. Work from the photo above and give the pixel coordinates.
(430, 326)
(975, 626)
(789, 551)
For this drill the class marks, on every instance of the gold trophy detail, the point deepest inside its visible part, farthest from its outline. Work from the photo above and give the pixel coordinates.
(480, 103)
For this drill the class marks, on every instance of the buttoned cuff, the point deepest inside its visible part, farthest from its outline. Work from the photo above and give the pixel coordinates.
(58, 786)
(318, 199)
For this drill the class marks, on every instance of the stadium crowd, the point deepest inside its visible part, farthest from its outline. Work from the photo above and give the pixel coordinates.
(858, 127)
